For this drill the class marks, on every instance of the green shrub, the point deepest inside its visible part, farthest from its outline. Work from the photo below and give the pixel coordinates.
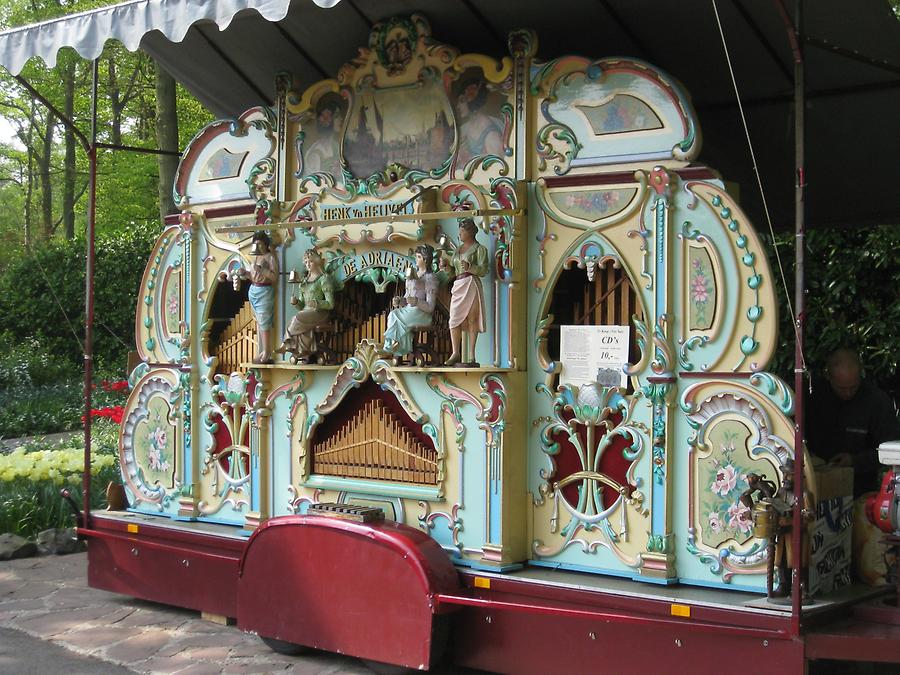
(26, 362)
(45, 409)
(42, 296)
(32, 476)
(40, 394)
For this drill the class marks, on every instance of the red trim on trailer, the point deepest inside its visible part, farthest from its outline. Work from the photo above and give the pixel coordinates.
(608, 601)
(161, 565)
(508, 603)
(366, 590)
(104, 525)
(142, 541)
(431, 564)
(523, 643)
(855, 640)
(401, 576)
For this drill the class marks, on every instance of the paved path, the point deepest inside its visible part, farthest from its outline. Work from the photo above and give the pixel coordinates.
(48, 598)
(25, 655)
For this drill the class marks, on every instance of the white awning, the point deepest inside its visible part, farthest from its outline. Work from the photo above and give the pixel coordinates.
(127, 22)
(228, 53)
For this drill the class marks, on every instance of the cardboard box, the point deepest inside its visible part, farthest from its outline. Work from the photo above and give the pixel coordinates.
(831, 534)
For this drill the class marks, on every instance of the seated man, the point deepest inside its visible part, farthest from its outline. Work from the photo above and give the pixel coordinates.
(848, 418)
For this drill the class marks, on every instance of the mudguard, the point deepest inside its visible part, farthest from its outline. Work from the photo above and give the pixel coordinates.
(362, 589)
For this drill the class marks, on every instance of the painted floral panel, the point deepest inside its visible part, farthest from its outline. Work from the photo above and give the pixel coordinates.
(172, 307)
(701, 290)
(154, 442)
(592, 205)
(722, 478)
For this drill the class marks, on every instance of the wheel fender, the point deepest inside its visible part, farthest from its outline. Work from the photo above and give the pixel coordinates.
(361, 589)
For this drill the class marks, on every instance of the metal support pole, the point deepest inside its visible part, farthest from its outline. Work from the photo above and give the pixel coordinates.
(89, 303)
(800, 305)
(795, 36)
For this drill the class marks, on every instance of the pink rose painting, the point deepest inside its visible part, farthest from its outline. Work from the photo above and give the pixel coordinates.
(699, 291)
(739, 518)
(156, 457)
(726, 478)
(722, 517)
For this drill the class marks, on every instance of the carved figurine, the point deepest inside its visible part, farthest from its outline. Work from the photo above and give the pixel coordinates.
(784, 503)
(415, 308)
(774, 520)
(314, 301)
(763, 517)
(263, 274)
(468, 263)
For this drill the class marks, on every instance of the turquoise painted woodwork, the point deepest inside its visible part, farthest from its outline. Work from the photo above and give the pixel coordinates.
(582, 178)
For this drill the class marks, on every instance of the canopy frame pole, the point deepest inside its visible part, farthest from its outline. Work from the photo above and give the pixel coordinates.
(795, 37)
(90, 146)
(89, 299)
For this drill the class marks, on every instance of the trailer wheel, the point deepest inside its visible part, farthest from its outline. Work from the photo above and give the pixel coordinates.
(286, 648)
(385, 668)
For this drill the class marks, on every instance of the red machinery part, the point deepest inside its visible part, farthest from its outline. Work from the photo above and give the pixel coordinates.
(361, 589)
(882, 507)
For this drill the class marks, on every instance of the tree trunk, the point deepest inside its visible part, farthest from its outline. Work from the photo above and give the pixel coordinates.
(115, 103)
(29, 192)
(166, 139)
(68, 205)
(44, 172)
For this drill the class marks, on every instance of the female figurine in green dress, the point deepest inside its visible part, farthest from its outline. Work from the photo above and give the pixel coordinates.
(314, 300)
(415, 308)
(468, 263)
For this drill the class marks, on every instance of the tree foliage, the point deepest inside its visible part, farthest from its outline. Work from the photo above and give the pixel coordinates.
(44, 196)
(852, 277)
(44, 173)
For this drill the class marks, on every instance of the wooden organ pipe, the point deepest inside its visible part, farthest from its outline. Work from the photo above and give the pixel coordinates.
(237, 343)
(374, 444)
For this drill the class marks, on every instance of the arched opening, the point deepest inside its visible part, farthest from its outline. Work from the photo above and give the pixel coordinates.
(369, 435)
(607, 300)
(232, 335)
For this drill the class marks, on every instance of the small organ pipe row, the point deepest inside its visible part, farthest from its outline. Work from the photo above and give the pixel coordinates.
(374, 444)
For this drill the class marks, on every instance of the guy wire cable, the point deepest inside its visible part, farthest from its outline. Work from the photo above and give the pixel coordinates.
(759, 184)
